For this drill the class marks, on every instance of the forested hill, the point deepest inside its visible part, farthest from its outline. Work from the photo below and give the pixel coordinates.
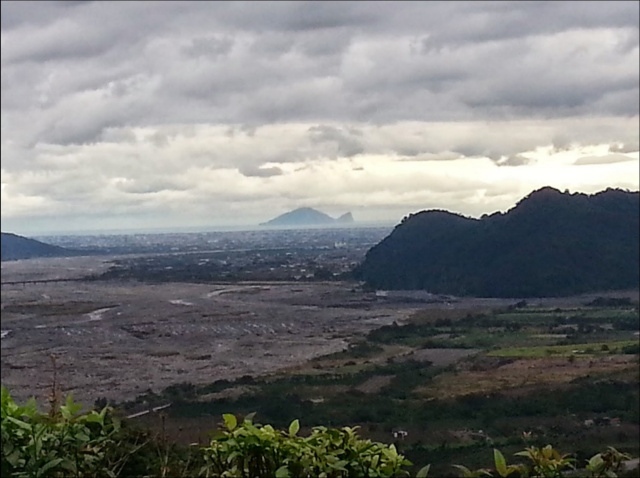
(14, 247)
(549, 244)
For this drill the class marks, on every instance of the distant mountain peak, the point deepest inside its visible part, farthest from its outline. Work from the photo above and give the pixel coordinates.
(346, 218)
(307, 216)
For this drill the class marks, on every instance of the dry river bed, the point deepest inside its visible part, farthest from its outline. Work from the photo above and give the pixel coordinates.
(119, 339)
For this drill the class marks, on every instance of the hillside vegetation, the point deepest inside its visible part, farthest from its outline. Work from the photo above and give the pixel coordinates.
(16, 247)
(550, 244)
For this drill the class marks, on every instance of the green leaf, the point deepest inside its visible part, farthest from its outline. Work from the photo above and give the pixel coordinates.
(5, 396)
(595, 462)
(12, 458)
(232, 456)
(294, 427)
(424, 471)
(93, 417)
(282, 472)
(465, 471)
(339, 465)
(230, 421)
(501, 463)
(69, 465)
(52, 464)
(20, 423)
(30, 408)
(70, 408)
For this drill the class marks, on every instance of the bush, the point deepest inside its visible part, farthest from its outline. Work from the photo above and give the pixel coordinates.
(66, 443)
(61, 443)
(256, 450)
(631, 349)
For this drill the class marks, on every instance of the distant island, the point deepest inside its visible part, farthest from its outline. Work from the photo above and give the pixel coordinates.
(307, 216)
(550, 244)
(14, 247)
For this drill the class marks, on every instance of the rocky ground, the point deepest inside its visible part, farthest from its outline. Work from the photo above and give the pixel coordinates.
(116, 339)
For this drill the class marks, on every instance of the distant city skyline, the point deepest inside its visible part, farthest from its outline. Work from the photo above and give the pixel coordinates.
(212, 115)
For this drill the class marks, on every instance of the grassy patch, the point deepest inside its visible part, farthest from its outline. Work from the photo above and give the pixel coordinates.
(584, 349)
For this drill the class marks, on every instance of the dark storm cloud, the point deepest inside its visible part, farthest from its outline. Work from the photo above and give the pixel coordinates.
(515, 160)
(624, 148)
(221, 96)
(304, 61)
(209, 46)
(346, 141)
(263, 172)
(495, 21)
(15, 14)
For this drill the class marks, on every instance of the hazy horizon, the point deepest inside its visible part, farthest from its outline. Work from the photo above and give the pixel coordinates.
(206, 229)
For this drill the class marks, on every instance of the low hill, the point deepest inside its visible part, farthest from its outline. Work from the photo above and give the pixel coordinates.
(550, 244)
(307, 216)
(14, 247)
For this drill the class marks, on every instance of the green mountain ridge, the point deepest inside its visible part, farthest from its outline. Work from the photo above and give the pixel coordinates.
(550, 244)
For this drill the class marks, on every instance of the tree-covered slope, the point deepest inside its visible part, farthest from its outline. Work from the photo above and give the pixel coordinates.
(14, 247)
(549, 244)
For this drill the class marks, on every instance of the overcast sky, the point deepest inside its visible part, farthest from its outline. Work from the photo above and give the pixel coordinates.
(119, 115)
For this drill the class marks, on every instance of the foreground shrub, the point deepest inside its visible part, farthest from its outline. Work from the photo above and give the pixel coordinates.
(65, 443)
(249, 450)
(547, 462)
(61, 443)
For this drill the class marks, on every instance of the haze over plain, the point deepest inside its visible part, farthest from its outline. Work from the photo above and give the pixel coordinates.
(187, 114)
